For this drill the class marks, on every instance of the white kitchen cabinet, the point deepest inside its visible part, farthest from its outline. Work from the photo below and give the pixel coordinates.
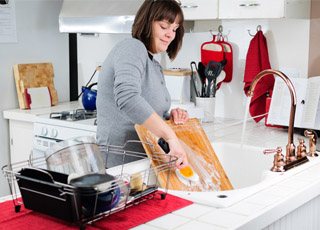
(21, 137)
(200, 9)
(238, 9)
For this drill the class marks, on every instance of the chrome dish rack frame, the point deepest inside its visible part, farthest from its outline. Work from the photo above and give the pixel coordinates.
(58, 193)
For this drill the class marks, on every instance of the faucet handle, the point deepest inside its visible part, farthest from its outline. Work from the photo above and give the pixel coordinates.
(312, 142)
(301, 149)
(278, 162)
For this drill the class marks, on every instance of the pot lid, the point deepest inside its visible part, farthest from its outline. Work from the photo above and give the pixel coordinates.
(96, 181)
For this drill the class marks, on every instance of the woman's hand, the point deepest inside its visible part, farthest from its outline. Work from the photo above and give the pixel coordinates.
(177, 150)
(179, 116)
(158, 127)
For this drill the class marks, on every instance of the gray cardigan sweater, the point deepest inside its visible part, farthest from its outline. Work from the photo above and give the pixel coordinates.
(131, 87)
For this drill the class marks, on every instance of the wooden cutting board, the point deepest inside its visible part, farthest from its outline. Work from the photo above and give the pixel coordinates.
(33, 76)
(201, 157)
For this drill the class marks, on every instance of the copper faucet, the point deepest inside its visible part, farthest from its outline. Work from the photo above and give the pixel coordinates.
(290, 148)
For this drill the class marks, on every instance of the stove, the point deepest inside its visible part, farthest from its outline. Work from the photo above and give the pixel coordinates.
(76, 115)
(76, 119)
(58, 126)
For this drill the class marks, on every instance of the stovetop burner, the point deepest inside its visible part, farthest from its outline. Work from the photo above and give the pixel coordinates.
(76, 115)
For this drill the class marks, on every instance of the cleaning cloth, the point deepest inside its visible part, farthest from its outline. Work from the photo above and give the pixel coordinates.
(257, 61)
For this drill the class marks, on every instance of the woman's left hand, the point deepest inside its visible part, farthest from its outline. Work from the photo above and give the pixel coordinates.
(179, 116)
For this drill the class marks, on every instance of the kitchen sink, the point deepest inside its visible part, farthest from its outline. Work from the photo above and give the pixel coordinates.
(248, 170)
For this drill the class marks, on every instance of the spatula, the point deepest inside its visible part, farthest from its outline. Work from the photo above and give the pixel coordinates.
(220, 77)
(201, 69)
(212, 70)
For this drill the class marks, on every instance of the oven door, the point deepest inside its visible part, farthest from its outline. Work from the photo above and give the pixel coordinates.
(41, 144)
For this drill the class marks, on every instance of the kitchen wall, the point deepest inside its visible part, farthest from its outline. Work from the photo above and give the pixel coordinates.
(39, 40)
(288, 44)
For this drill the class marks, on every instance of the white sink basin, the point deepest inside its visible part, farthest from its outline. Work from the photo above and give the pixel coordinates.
(248, 170)
(244, 165)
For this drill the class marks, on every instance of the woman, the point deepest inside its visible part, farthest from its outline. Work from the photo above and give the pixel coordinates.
(131, 83)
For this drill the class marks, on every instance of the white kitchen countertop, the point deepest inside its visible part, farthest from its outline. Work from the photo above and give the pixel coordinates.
(254, 212)
(29, 115)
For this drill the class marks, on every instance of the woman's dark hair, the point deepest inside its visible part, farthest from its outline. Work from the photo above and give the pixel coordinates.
(158, 10)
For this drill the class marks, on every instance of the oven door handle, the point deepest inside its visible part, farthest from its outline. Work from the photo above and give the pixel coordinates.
(43, 143)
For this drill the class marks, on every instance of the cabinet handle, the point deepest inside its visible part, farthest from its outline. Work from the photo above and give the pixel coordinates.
(249, 4)
(189, 6)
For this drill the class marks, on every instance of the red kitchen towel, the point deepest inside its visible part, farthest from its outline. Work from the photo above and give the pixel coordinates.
(126, 219)
(257, 61)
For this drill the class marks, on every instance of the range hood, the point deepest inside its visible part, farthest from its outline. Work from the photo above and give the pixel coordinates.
(98, 16)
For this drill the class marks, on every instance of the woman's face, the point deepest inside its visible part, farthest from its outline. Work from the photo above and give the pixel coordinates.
(163, 33)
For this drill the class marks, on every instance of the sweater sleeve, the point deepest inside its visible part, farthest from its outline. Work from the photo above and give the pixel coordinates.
(130, 67)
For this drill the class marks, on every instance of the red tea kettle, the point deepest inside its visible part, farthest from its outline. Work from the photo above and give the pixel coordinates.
(89, 97)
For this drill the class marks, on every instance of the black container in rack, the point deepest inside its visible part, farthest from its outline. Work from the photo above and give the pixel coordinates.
(41, 191)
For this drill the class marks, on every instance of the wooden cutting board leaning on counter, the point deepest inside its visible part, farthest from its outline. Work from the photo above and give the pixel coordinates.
(36, 75)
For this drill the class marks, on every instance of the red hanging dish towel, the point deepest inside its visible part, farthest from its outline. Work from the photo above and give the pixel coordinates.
(257, 61)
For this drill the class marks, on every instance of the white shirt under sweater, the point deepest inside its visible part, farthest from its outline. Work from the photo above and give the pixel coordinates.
(131, 87)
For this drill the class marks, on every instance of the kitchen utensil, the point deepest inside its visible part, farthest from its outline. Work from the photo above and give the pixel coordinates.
(194, 80)
(78, 156)
(98, 192)
(39, 97)
(89, 97)
(223, 63)
(216, 83)
(201, 69)
(187, 174)
(212, 70)
(34, 76)
(221, 77)
(204, 160)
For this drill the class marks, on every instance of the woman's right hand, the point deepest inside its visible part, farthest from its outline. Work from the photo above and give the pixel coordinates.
(159, 128)
(177, 150)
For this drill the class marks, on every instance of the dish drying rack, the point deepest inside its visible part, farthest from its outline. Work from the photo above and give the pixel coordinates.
(40, 186)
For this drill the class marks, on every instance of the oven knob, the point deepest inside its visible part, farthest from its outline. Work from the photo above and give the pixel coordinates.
(54, 133)
(44, 131)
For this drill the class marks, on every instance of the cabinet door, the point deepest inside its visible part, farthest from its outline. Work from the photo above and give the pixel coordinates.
(21, 136)
(251, 9)
(200, 9)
